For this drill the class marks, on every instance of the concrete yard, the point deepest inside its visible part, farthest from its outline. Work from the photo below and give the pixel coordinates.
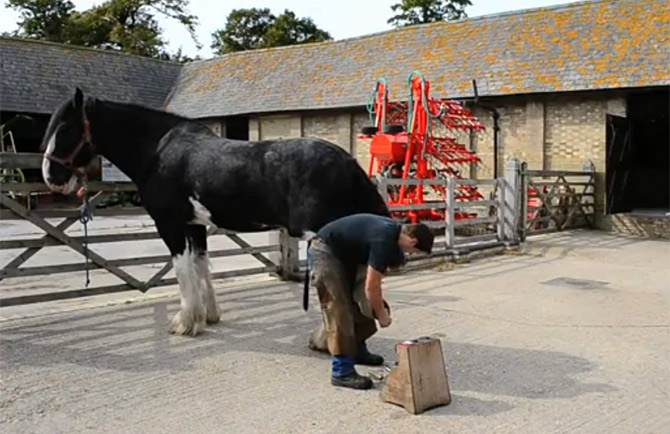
(527, 351)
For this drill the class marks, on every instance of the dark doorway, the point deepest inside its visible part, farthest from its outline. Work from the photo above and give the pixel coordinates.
(638, 155)
(237, 128)
(22, 132)
(619, 164)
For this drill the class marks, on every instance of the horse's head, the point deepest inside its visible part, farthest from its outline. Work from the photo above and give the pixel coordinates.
(67, 145)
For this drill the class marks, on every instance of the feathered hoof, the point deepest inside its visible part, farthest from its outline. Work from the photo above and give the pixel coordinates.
(188, 324)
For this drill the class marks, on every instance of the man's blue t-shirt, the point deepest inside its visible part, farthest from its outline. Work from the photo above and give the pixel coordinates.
(364, 239)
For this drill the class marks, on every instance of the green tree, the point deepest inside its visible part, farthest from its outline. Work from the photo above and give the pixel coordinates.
(124, 25)
(250, 29)
(288, 29)
(411, 12)
(43, 19)
(245, 30)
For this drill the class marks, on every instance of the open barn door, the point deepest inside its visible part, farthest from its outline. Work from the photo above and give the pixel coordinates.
(619, 161)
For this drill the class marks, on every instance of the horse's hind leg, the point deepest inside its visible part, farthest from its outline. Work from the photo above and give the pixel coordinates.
(197, 235)
(190, 320)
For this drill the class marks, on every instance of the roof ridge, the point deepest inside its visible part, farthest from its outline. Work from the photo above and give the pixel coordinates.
(497, 15)
(84, 48)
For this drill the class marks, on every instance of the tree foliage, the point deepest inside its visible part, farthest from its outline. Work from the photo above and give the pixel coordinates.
(43, 19)
(411, 12)
(124, 25)
(250, 29)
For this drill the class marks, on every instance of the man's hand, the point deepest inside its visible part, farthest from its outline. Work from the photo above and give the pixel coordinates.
(385, 320)
(373, 290)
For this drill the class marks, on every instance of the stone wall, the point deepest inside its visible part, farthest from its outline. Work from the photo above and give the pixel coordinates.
(640, 226)
(333, 127)
(360, 147)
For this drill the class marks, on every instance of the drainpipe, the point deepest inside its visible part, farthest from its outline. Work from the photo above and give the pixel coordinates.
(496, 128)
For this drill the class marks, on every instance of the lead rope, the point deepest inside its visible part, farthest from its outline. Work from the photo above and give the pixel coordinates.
(85, 216)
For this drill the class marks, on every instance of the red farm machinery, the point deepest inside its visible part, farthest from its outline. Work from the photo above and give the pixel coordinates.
(417, 139)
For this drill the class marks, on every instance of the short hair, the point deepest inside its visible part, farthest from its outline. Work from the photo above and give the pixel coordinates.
(423, 234)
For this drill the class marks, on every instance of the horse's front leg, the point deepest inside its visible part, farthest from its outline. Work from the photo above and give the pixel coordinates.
(191, 318)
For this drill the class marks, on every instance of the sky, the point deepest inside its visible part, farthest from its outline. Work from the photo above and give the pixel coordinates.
(341, 18)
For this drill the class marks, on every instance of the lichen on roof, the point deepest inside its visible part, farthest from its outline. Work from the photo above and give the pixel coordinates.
(580, 46)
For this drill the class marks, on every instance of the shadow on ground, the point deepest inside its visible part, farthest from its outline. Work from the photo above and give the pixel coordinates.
(268, 320)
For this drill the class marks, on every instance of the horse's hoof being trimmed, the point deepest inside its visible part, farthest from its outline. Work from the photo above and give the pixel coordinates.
(318, 341)
(188, 325)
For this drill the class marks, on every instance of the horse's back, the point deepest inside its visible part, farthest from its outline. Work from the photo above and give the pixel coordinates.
(301, 183)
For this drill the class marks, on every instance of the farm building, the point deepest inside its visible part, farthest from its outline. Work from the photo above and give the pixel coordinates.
(567, 84)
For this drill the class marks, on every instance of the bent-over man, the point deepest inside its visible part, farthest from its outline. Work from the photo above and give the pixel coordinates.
(344, 252)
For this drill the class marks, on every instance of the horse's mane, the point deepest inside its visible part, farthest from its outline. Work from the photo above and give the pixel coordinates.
(152, 115)
(144, 110)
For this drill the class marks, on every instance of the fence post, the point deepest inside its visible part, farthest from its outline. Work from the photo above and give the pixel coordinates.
(512, 200)
(289, 260)
(449, 214)
(589, 167)
(382, 188)
(501, 186)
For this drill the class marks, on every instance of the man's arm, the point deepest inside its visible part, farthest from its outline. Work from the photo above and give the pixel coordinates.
(373, 290)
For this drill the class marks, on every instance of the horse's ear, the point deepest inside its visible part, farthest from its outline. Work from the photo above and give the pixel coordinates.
(78, 99)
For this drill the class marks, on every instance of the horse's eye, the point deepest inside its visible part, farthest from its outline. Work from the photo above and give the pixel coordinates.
(65, 130)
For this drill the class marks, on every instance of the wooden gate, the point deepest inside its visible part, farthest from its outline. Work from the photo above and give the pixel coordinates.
(277, 255)
(554, 200)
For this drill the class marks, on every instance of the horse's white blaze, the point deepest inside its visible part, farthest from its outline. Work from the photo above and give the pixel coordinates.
(191, 317)
(46, 163)
(66, 188)
(201, 215)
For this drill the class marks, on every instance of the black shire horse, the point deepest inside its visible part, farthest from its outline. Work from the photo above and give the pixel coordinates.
(188, 178)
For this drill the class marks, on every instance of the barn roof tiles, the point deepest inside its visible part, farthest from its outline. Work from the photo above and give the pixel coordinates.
(580, 46)
(590, 45)
(36, 75)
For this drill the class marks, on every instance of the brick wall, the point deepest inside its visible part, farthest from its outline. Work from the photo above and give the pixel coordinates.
(279, 126)
(333, 127)
(360, 147)
(482, 145)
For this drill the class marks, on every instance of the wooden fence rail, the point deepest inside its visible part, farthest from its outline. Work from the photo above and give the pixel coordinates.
(486, 230)
(523, 202)
(277, 256)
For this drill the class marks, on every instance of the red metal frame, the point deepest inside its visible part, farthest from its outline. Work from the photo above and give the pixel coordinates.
(418, 152)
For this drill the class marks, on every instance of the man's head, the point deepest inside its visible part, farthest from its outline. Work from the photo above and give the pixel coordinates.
(416, 237)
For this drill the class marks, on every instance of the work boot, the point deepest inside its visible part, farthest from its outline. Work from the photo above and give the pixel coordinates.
(365, 357)
(353, 381)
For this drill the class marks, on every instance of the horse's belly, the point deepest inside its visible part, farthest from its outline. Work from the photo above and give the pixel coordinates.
(244, 213)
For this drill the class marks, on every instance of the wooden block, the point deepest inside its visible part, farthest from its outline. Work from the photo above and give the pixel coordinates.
(419, 381)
